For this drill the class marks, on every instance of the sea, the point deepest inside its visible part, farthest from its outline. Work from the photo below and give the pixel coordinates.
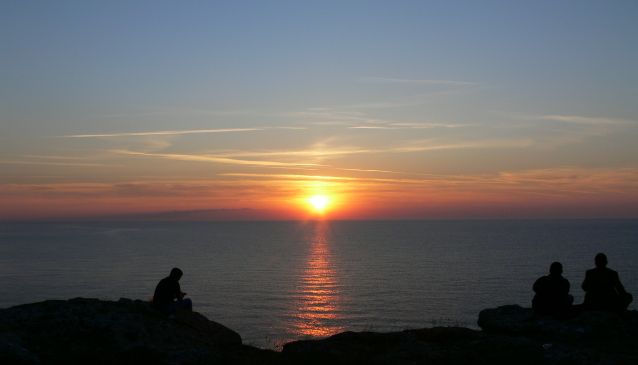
(274, 282)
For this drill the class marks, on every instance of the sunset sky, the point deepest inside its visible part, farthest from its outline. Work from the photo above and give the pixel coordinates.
(388, 109)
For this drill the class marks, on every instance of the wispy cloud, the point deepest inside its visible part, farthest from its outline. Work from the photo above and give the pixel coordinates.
(575, 180)
(480, 144)
(406, 147)
(374, 170)
(52, 163)
(163, 133)
(573, 189)
(322, 178)
(400, 126)
(392, 80)
(557, 182)
(351, 119)
(333, 117)
(427, 125)
(413, 100)
(310, 152)
(57, 157)
(371, 127)
(428, 90)
(214, 159)
(560, 181)
(291, 128)
(579, 119)
(179, 111)
(57, 160)
(558, 130)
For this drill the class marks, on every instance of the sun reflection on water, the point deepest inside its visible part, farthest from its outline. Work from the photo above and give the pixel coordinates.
(318, 305)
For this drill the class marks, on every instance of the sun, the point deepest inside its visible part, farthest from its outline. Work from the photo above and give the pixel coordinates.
(319, 203)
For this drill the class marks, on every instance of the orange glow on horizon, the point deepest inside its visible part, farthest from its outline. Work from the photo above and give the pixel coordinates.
(583, 193)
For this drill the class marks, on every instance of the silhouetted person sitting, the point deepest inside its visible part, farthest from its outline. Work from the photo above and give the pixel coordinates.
(603, 290)
(168, 296)
(552, 293)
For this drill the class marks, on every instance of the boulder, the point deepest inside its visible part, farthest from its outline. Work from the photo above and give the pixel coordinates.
(91, 331)
(439, 345)
(580, 325)
(510, 335)
(103, 332)
(584, 337)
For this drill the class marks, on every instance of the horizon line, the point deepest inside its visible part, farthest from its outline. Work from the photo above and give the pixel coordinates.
(122, 219)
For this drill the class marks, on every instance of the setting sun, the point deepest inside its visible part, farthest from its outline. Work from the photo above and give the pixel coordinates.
(319, 203)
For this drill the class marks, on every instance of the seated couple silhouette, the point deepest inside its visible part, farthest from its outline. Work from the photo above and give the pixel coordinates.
(602, 286)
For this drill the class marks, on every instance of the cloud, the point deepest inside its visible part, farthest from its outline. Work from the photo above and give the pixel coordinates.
(553, 182)
(430, 125)
(334, 117)
(374, 170)
(561, 181)
(85, 160)
(326, 117)
(406, 147)
(371, 127)
(291, 128)
(400, 126)
(214, 159)
(578, 119)
(304, 177)
(56, 157)
(52, 163)
(72, 188)
(163, 133)
(179, 111)
(310, 152)
(578, 191)
(616, 180)
(392, 80)
(558, 130)
(408, 99)
(480, 144)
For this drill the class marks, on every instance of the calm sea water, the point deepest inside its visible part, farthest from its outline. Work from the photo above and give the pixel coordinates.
(278, 281)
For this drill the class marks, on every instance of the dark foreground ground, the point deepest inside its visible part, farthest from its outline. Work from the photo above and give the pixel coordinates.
(91, 331)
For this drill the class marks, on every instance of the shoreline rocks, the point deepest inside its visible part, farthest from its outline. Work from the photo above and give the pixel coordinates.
(80, 331)
(95, 331)
(515, 320)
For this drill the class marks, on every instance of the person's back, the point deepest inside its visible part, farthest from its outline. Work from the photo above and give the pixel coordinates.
(552, 293)
(168, 296)
(166, 292)
(603, 289)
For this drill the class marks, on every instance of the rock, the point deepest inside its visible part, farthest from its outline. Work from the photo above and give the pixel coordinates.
(515, 320)
(511, 335)
(12, 351)
(103, 332)
(91, 331)
(439, 345)
(585, 337)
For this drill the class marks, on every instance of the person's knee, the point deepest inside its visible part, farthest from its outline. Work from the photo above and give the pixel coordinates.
(626, 299)
(186, 304)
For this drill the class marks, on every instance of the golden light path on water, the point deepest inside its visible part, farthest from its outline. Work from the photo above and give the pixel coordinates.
(318, 306)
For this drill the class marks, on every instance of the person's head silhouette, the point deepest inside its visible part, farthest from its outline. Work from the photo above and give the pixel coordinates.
(176, 274)
(556, 268)
(601, 260)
